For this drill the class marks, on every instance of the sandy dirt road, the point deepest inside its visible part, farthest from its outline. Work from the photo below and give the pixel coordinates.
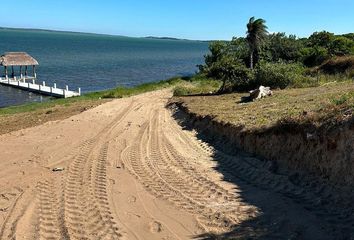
(131, 172)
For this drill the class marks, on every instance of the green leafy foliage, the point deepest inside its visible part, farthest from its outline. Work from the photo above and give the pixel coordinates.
(279, 59)
(256, 34)
(279, 75)
(341, 46)
(314, 56)
(217, 50)
(279, 46)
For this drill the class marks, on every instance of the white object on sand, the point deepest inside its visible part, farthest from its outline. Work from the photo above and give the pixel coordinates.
(261, 92)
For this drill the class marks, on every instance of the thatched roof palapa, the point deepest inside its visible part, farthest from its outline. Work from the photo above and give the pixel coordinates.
(17, 59)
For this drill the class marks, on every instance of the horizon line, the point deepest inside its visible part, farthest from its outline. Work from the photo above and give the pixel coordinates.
(108, 34)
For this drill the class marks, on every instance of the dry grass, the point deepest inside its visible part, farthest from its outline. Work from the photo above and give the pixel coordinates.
(337, 65)
(39, 115)
(315, 104)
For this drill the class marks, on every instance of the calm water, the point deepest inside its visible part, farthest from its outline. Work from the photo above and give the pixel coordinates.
(98, 62)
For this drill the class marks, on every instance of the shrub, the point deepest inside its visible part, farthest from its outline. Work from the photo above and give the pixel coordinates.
(314, 56)
(341, 46)
(217, 50)
(234, 74)
(279, 75)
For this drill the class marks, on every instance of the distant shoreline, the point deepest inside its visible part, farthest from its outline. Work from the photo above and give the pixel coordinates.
(100, 34)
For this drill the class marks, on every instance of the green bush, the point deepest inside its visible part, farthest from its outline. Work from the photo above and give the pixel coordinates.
(314, 56)
(279, 75)
(234, 74)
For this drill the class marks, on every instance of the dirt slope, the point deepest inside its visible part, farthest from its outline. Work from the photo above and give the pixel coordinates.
(131, 172)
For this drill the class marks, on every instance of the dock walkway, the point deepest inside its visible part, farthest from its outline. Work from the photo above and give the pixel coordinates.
(39, 88)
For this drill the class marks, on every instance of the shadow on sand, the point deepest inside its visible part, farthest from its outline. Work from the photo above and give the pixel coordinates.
(286, 211)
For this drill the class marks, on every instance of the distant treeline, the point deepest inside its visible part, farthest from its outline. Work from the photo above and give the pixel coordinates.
(275, 59)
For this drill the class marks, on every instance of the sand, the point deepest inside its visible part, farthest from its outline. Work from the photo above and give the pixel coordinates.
(131, 172)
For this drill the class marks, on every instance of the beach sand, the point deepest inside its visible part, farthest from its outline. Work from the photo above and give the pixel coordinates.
(129, 171)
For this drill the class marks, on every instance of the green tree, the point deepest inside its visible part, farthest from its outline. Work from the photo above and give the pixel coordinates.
(279, 47)
(341, 46)
(217, 50)
(233, 73)
(239, 49)
(256, 34)
(321, 39)
(314, 56)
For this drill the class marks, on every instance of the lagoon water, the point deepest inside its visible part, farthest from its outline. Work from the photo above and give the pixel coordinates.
(97, 62)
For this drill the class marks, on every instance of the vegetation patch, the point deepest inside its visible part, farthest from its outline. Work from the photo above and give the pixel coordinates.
(310, 105)
(338, 65)
(307, 130)
(278, 60)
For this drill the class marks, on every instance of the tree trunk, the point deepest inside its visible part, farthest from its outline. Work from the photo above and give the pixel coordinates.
(251, 59)
(221, 90)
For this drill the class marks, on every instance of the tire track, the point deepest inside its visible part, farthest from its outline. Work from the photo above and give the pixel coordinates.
(313, 196)
(50, 211)
(163, 179)
(76, 206)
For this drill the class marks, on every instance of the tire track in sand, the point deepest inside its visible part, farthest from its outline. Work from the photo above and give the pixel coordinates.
(76, 206)
(155, 162)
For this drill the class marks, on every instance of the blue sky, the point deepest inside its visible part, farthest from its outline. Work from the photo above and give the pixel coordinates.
(192, 19)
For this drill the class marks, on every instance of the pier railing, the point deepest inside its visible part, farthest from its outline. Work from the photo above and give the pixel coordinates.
(32, 86)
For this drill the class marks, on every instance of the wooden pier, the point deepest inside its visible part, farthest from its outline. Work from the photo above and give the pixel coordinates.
(26, 82)
(32, 86)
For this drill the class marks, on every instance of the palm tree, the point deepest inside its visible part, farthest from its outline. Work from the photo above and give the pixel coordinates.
(256, 33)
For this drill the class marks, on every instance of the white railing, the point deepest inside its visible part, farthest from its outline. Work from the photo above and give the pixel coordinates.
(40, 88)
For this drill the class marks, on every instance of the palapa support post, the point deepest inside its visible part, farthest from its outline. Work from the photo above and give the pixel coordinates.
(55, 85)
(6, 72)
(34, 71)
(26, 71)
(79, 90)
(21, 71)
(43, 83)
(13, 72)
(66, 87)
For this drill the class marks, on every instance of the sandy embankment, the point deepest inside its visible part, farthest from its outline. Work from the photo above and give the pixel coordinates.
(131, 172)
